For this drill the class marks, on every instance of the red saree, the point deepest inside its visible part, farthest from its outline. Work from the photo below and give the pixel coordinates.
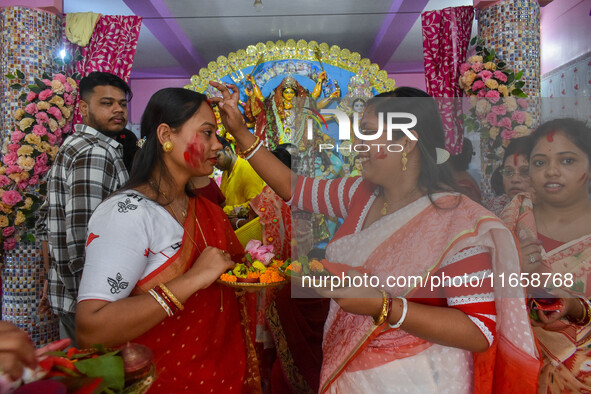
(202, 348)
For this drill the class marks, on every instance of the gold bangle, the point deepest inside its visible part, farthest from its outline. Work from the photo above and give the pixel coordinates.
(251, 148)
(175, 300)
(381, 318)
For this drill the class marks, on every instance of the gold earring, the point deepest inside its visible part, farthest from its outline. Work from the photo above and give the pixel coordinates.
(167, 147)
(404, 160)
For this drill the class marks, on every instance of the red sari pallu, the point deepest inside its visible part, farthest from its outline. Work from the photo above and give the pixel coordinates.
(203, 348)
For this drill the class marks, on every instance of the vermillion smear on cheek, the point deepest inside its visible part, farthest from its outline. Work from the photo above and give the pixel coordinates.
(195, 153)
(550, 136)
(583, 178)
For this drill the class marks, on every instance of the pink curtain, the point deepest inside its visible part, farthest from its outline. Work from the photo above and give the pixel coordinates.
(446, 34)
(111, 48)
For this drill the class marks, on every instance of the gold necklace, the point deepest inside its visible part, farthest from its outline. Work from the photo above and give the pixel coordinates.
(183, 212)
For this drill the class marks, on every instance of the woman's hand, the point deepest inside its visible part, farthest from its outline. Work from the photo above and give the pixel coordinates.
(531, 253)
(16, 351)
(228, 104)
(572, 307)
(210, 265)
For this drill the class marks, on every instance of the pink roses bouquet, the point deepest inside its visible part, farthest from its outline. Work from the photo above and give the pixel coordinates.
(40, 126)
(498, 108)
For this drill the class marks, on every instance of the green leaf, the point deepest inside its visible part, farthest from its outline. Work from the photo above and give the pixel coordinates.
(486, 51)
(40, 83)
(519, 84)
(478, 48)
(518, 93)
(9, 76)
(16, 86)
(22, 97)
(108, 367)
(35, 89)
(29, 237)
(46, 76)
(501, 64)
(20, 74)
(492, 52)
(473, 40)
(519, 75)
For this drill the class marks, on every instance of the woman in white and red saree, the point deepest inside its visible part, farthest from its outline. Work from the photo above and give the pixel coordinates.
(154, 252)
(402, 219)
(555, 234)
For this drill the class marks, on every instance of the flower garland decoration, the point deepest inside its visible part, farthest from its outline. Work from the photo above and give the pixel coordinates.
(498, 105)
(40, 127)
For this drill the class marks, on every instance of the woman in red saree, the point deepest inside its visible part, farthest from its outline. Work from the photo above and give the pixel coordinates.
(555, 235)
(154, 252)
(402, 219)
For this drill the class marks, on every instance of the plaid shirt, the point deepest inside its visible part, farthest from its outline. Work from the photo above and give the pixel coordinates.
(88, 168)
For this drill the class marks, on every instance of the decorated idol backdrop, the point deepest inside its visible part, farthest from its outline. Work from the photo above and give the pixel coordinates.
(283, 88)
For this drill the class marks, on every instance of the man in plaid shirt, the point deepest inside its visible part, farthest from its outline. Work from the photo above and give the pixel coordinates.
(88, 168)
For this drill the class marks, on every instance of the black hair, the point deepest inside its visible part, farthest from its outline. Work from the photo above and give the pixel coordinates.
(461, 161)
(433, 177)
(225, 143)
(575, 130)
(496, 181)
(517, 146)
(100, 78)
(173, 106)
(283, 155)
(129, 141)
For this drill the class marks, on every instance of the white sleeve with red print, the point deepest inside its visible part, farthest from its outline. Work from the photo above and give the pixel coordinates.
(129, 236)
(467, 286)
(328, 197)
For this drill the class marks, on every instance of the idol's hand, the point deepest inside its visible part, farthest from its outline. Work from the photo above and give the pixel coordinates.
(228, 104)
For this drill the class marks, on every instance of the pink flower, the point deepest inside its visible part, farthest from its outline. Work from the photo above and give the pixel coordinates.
(67, 87)
(9, 243)
(55, 112)
(11, 197)
(500, 76)
(16, 136)
(52, 139)
(477, 85)
(23, 185)
(69, 100)
(46, 81)
(464, 67)
(4, 180)
(499, 109)
(40, 169)
(39, 130)
(518, 116)
(477, 67)
(58, 132)
(67, 128)
(493, 95)
(491, 119)
(13, 168)
(505, 122)
(31, 96)
(7, 231)
(45, 94)
(10, 158)
(522, 102)
(34, 180)
(41, 159)
(42, 117)
(31, 108)
(485, 74)
(60, 77)
(507, 134)
(13, 148)
(481, 93)
(263, 253)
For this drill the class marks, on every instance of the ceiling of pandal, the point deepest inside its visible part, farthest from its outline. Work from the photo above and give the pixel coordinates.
(178, 37)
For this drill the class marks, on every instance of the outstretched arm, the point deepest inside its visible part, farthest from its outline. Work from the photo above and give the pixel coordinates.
(276, 174)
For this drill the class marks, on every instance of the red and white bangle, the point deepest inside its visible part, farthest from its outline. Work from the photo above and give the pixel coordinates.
(403, 315)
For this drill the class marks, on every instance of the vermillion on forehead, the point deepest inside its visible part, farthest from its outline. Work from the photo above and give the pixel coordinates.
(195, 153)
(515, 157)
(381, 155)
(550, 136)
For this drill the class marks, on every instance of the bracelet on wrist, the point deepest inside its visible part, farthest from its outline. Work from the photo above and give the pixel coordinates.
(403, 315)
(381, 318)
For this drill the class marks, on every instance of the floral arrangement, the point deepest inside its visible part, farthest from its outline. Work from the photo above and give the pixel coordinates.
(305, 266)
(40, 126)
(258, 266)
(498, 105)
